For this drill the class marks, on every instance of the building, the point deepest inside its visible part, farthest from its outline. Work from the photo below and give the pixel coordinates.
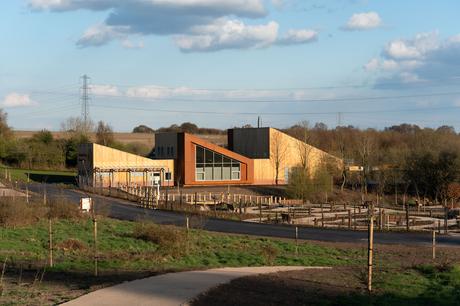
(199, 162)
(100, 166)
(253, 156)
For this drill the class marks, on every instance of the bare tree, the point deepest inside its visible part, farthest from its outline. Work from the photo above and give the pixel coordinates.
(278, 152)
(5, 131)
(104, 134)
(365, 150)
(303, 146)
(77, 126)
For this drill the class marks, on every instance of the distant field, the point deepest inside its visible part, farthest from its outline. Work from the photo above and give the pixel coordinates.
(125, 138)
(44, 176)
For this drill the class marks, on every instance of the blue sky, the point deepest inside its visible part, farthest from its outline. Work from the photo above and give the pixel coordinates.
(220, 63)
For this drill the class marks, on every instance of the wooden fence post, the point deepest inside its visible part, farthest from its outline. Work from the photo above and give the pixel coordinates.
(433, 234)
(296, 240)
(50, 242)
(407, 217)
(322, 216)
(349, 219)
(260, 212)
(370, 252)
(446, 215)
(95, 246)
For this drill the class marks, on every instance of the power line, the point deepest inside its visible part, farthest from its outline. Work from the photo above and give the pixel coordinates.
(176, 111)
(248, 100)
(424, 83)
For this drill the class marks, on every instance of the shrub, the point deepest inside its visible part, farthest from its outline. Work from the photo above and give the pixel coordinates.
(269, 252)
(17, 212)
(60, 209)
(170, 239)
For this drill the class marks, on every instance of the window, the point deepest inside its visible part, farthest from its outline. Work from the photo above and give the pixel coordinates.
(199, 155)
(212, 166)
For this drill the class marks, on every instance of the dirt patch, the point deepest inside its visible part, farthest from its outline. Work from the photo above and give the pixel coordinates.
(72, 245)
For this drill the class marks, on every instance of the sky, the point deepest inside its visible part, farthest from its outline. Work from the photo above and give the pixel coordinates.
(223, 63)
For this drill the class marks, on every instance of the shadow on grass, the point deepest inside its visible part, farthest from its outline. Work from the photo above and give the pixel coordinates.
(73, 280)
(439, 288)
(52, 178)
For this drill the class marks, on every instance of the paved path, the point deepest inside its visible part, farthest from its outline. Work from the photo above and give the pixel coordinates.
(170, 289)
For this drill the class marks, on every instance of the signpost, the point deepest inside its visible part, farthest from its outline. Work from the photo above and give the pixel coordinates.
(86, 204)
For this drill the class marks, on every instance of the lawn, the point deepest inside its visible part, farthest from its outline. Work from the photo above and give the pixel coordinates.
(48, 176)
(120, 249)
(129, 250)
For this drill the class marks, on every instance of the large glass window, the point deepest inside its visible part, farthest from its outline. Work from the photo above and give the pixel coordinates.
(212, 166)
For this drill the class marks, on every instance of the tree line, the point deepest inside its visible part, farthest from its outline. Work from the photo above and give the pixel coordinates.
(186, 127)
(44, 151)
(404, 159)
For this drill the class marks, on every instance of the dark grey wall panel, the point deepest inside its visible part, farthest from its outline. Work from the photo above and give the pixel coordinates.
(251, 142)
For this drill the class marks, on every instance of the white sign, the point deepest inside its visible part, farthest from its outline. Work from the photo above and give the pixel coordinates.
(86, 204)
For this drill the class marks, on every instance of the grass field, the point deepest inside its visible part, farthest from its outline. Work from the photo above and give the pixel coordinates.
(120, 249)
(48, 176)
(129, 250)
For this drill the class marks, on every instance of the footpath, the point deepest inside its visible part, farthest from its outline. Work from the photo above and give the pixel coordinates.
(171, 289)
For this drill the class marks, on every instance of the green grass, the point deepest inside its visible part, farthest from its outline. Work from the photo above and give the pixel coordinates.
(120, 250)
(423, 285)
(50, 176)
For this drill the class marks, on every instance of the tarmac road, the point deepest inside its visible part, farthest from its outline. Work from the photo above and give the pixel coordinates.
(125, 210)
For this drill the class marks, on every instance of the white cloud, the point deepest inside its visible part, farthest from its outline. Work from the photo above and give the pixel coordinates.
(101, 34)
(424, 58)
(372, 65)
(18, 100)
(195, 25)
(105, 90)
(412, 48)
(398, 49)
(246, 8)
(128, 44)
(279, 4)
(363, 21)
(228, 34)
(156, 92)
(161, 92)
(293, 37)
(376, 64)
(48, 4)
